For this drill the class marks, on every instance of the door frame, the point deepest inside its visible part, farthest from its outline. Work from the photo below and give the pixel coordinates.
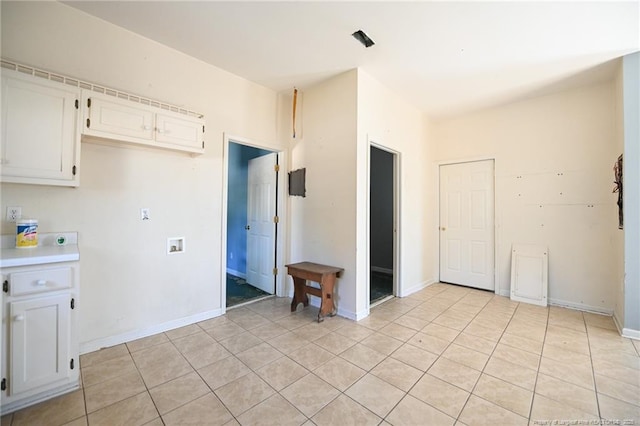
(281, 206)
(495, 214)
(396, 221)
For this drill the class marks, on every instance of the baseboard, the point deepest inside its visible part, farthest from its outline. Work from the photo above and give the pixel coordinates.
(382, 270)
(617, 323)
(94, 345)
(581, 307)
(237, 273)
(7, 408)
(626, 332)
(315, 302)
(631, 333)
(415, 288)
(360, 315)
(505, 293)
(348, 314)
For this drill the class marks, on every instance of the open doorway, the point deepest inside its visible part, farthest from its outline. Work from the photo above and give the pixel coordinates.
(251, 226)
(382, 220)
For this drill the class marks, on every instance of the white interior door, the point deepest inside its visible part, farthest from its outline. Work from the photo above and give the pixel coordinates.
(467, 224)
(261, 229)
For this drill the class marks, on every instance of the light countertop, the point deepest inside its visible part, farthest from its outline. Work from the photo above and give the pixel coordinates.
(46, 252)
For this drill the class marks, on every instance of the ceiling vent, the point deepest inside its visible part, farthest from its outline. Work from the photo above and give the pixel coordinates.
(363, 38)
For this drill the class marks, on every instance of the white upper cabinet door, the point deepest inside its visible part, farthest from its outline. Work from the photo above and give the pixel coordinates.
(113, 118)
(182, 130)
(40, 131)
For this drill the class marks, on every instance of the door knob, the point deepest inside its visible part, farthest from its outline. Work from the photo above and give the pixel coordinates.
(18, 318)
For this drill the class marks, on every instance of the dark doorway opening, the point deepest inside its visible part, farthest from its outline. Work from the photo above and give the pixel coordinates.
(382, 224)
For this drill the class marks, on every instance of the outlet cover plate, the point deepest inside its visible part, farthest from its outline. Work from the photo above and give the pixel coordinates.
(14, 213)
(176, 245)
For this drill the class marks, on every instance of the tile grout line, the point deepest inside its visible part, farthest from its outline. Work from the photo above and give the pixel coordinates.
(383, 419)
(440, 355)
(476, 382)
(563, 379)
(535, 383)
(593, 371)
(423, 303)
(143, 381)
(487, 362)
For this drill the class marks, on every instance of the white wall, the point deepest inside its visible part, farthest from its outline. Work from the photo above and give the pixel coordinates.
(631, 104)
(553, 157)
(322, 225)
(618, 308)
(129, 285)
(387, 120)
(341, 116)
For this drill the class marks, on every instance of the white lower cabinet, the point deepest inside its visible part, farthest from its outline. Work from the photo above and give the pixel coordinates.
(39, 333)
(40, 352)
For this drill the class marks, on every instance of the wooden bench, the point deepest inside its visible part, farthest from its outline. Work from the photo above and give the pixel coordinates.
(322, 274)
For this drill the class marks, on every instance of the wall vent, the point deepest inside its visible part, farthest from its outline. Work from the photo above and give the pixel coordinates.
(5, 63)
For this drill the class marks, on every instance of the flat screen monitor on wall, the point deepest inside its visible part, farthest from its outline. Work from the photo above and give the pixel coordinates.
(297, 183)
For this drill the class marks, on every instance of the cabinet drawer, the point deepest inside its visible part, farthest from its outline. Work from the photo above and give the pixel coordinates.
(39, 281)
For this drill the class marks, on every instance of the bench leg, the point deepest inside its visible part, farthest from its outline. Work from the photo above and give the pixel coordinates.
(327, 308)
(299, 293)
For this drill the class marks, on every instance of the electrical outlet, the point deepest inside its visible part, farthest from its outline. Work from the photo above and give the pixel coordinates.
(14, 213)
(144, 214)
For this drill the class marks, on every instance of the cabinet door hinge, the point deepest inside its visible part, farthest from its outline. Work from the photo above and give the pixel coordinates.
(73, 303)
(275, 271)
(77, 104)
(73, 170)
(202, 144)
(203, 128)
(3, 384)
(5, 286)
(276, 167)
(89, 102)
(72, 364)
(276, 219)
(88, 123)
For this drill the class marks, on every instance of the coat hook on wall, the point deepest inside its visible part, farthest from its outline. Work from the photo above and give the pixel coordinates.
(295, 101)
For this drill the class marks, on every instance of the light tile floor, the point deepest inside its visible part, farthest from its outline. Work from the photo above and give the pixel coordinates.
(445, 355)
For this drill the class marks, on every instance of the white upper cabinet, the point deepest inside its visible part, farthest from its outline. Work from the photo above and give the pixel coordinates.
(181, 130)
(40, 131)
(112, 118)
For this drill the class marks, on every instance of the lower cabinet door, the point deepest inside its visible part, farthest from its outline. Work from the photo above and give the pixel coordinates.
(40, 339)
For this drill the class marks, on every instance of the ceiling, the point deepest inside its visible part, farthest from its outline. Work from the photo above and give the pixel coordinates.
(446, 58)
